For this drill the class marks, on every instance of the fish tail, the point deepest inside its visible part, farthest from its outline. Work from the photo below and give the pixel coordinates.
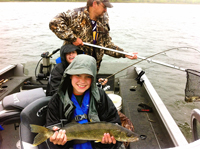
(43, 134)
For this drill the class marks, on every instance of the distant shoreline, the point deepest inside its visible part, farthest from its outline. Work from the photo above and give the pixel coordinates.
(116, 1)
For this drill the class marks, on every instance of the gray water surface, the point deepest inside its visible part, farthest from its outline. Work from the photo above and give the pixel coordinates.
(143, 28)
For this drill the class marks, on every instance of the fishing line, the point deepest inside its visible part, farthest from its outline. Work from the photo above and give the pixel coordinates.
(151, 60)
(153, 131)
(126, 75)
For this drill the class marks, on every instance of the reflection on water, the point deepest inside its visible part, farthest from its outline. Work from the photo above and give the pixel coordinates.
(143, 28)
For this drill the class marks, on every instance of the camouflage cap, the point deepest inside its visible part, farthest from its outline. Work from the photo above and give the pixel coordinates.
(107, 3)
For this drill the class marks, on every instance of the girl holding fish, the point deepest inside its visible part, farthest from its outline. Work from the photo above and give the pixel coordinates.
(79, 100)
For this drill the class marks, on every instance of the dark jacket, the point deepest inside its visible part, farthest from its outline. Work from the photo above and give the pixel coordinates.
(58, 70)
(101, 107)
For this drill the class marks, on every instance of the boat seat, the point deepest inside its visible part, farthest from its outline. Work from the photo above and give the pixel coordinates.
(12, 105)
(9, 116)
(34, 113)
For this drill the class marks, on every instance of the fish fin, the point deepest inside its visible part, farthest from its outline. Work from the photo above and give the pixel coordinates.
(43, 134)
(39, 139)
(97, 141)
(37, 128)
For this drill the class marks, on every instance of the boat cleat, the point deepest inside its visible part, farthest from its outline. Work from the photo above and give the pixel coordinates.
(133, 88)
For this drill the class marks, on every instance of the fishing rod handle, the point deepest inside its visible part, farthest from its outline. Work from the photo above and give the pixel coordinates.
(100, 47)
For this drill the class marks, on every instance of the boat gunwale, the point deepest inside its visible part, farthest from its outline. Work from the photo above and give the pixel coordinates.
(171, 126)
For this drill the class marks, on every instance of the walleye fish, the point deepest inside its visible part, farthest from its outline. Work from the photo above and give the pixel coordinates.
(88, 131)
(192, 99)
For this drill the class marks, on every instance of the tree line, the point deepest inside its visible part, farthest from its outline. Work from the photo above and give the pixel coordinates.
(120, 1)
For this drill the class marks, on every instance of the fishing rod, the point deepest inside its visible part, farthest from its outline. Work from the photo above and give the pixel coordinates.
(100, 47)
(161, 63)
(140, 57)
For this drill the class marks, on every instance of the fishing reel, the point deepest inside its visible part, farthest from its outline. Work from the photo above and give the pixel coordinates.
(104, 87)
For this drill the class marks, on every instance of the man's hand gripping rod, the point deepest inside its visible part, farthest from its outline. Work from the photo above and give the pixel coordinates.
(96, 46)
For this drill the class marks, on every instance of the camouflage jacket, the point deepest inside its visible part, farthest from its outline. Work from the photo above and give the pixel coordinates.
(76, 23)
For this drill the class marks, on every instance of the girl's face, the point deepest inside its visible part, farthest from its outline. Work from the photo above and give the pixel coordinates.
(81, 83)
(70, 56)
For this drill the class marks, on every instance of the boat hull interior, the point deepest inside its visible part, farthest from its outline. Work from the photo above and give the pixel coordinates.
(148, 124)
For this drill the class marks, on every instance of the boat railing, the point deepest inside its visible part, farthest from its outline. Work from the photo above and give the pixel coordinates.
(12, 70)
(6, 69)
(171, 126)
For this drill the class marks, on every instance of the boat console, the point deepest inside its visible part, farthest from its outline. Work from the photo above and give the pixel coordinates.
(12, 78)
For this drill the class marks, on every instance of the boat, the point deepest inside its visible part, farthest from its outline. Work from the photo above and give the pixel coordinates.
(139, 101)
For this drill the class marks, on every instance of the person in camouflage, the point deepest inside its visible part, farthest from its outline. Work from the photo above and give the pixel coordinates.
(87, 24)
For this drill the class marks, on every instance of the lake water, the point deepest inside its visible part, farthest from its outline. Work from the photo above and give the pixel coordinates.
(143, 28)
